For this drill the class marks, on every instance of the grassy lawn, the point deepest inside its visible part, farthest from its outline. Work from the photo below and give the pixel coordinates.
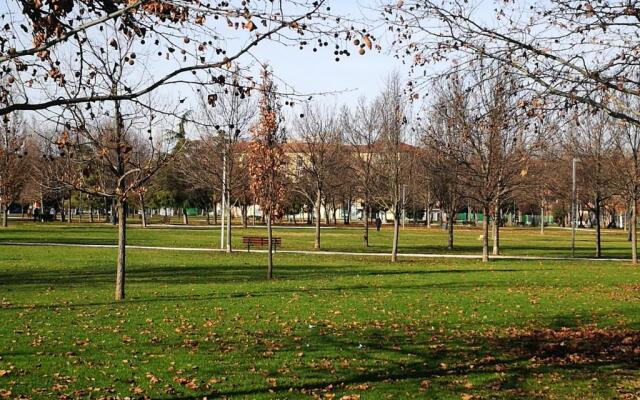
(514, 241)
(208, 324)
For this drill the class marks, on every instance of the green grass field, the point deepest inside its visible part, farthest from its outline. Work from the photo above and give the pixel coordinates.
(514, 241)
(209, 325)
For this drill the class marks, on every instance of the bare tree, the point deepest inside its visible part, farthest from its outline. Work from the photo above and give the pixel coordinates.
(362, 126)
(104, 142)
(316, 158)
(626, 142)
(444, 155)
(591, 141)
(565, 53)
(496, 142)
(15, 162)
(391, 154)
(223, 121)
(185, 37)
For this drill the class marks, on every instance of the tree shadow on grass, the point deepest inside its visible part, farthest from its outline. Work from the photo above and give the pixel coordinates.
(202, 272)
(354, 289)
(507, 364)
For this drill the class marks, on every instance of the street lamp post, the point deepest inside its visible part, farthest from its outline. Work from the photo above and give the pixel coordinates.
(574, 209)
(224, 199)
(404, 205)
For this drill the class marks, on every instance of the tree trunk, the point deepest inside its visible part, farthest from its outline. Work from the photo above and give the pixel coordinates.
(334, 211)
(113, 211)
(327, 219)
(245, 215)
(215, 212)
(598, 230)
(69, 210)
(318, 203)
(143, 210)
(90, 209)
(79, 209)
(365, 225)
(629, 215)
(185, 217)
(485, 234)
(207, 216)
(396, 233)
(270, 247)
(450, 233)
(542, 211)
(634, 232)
(496, 230)
(122, 243)
(5, 215)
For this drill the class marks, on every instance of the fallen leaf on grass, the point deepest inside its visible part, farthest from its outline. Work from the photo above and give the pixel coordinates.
(152, 378)
(186, 382)
(362, 386)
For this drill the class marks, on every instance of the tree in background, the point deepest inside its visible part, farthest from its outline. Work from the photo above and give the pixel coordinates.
(267, 161)
(494, 143)
(15, 162)
(626, 142)
(591, 141)
(391, 159)
(444, 153)
(316, 158)
(563, 53)
(362, 129)
(225, 116)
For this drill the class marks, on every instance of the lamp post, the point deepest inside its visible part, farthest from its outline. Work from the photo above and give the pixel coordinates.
(404, 206)
(574, 209)
(224, 193)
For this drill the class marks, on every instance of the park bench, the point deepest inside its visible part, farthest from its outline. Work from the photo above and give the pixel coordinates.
(260, 241)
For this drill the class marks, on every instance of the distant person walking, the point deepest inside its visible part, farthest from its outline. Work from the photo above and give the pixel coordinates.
(52, 214)
(378, 223)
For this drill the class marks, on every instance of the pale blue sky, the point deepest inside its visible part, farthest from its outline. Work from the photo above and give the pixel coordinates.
(310, 72)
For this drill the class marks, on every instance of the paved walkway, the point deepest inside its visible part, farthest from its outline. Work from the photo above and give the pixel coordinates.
(304, 252)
